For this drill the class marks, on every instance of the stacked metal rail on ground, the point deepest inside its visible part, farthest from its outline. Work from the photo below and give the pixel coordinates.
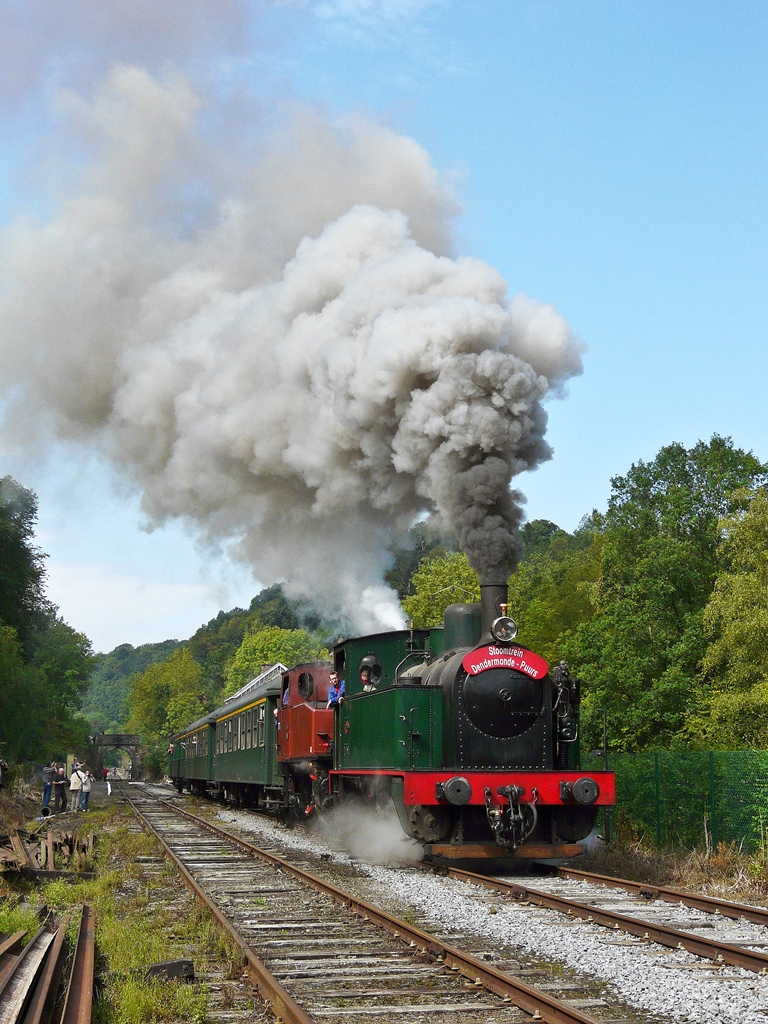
(30, 975)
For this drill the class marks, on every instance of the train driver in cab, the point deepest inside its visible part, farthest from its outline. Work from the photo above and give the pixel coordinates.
(336, 691)
(366, 679)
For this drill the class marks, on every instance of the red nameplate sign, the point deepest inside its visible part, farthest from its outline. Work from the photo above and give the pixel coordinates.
(505, 657)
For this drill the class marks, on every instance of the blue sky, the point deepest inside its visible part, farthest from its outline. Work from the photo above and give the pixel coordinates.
(609, 159)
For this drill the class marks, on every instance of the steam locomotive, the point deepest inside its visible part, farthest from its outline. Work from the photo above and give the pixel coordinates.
(469, 735)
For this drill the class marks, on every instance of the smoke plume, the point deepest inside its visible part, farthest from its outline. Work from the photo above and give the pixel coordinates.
(281, 351)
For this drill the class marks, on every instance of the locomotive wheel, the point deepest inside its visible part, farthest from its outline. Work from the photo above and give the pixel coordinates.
(430, 824)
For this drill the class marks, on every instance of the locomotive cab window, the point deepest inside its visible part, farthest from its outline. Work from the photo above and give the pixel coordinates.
(340, 663)
(371, 666)
(306, 685)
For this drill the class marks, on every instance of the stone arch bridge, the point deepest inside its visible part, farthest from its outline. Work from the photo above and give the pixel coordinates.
(127, 741)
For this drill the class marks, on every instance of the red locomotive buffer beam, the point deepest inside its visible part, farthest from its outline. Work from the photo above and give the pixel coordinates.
(554, 788)
(437, 790)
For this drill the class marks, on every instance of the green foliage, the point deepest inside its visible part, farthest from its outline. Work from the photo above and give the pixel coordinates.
(105, 703)
(182, 709)
(22, 574)
(641, 652)
(736, 625)
(439, 581)
(44, 663)
(553, 590)
(270, 645)
(153, 690)
(215, 645)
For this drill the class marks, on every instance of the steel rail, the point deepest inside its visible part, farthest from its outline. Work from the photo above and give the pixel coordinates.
(709, 904)
(708, 949)
(279, 1000)
(540, 1005)
(79, 998)
(42, 1004)
(16, 964)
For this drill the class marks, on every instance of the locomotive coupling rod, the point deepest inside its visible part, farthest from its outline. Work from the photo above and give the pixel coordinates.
(281, 1003)
(709, 904)
(708, 949)
(530, 999)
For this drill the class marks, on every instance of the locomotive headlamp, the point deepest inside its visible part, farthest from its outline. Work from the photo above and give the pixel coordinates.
(504, 629)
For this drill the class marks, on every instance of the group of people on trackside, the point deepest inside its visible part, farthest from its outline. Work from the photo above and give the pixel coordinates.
(336, 691)
(56, 783)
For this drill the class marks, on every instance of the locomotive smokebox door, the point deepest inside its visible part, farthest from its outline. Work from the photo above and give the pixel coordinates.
(503, 702)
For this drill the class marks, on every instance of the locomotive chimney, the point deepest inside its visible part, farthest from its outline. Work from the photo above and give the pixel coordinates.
(493, 603)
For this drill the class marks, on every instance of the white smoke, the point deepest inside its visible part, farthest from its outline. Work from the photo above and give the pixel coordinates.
(288, 357)
(370, 834)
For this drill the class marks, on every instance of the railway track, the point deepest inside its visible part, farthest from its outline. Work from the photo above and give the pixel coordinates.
(318, 953)
(738, 952)
(709, 904)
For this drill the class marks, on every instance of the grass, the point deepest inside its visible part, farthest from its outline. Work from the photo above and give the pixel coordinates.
(19, 917)
(136, 1001)
(136, 926)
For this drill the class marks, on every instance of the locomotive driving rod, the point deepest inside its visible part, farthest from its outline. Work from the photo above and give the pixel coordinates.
(541, 1005)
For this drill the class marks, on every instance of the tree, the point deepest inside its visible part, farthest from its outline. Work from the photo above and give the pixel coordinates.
(44, 663)
(439, 581)
(553, 590)
(736, 626)
(22, 572)
(106, 703)
(152, 691)
(268, 646)
(22, 687)
(165, 698)
(641, 652)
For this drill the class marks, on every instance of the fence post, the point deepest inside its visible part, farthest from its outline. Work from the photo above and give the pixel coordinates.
(658, 800)
(712, 804)
(606, 810)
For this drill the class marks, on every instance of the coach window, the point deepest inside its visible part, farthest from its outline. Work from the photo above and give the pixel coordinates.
(229, 736)
(261, 725)
(306, 685)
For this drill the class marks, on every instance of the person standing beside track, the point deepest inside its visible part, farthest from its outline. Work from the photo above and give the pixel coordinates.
(60, 781)
(48, 772)
(85, 792)
(76, 785)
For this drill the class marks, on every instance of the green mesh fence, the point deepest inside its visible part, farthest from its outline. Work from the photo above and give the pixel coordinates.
(693, 798)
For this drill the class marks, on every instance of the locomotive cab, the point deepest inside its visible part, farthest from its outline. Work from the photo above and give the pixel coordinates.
(305, 737)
